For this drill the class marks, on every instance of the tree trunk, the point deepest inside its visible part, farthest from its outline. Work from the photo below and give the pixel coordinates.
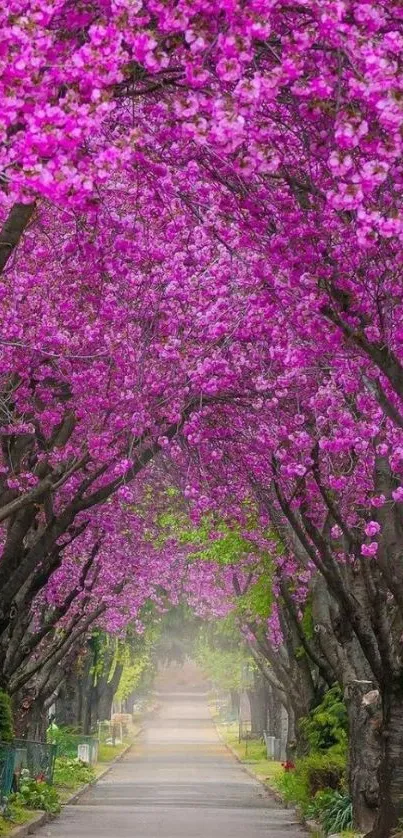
(274, 725)
(258, 708)
(390, 812)
(86, 686)
(37, 723)
(234, 695)
(363, 706)
(106, 692)
(68, 709)
(105, 703)
(291, 747)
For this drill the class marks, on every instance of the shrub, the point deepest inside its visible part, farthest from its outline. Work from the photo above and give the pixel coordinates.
(327, 725)
(6, 718)
(36, 794)
(322, 771)
(72, 772)
(314, 773)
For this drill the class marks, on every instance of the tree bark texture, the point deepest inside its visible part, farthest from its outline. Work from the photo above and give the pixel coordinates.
(390, 813)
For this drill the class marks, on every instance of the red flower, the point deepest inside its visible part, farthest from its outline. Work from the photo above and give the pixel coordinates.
(288, 766)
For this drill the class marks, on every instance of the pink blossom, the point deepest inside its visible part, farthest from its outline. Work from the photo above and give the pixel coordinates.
(369, 550)
(372, 528)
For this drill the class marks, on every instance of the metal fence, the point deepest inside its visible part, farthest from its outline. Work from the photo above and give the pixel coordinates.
(245, 730)
(112, 733)
(6, 769)
(36, 757)
(75, 745)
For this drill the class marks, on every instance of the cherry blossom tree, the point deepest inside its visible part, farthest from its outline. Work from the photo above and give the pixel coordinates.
(200, 252)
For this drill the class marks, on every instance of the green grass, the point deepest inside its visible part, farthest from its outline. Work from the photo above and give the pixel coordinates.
(107, 753)
(18, 816)
(251, 753)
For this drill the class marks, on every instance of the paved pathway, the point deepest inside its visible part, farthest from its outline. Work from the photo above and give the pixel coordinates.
(178, 781)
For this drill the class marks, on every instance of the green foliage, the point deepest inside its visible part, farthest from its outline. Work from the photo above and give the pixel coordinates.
(314, 773)
(227, 548)
(322, 771)
(70, 773)
(333, 810)
(307, 621)
(258, 599)
(36, 794)
(225, 669)
(293, 789)
(178, 629)
(6, 718)
(327, 725)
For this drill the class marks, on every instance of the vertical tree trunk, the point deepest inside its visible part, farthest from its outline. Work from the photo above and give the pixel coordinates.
(291, 747)
(258, 707)
(363, 706)
(86, 687)
(234, 696)
(390, 812)
(68, 709)
(274, 713)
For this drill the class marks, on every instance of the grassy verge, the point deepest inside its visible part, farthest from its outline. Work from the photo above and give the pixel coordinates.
(251, 753)
(107, 753)
(18, 815)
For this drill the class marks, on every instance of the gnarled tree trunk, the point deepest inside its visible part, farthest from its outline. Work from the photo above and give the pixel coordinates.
(363, 706)
(391, 769)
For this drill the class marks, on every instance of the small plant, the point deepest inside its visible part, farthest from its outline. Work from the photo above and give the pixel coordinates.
(293, 789)
(72, 772)
(337, 816)
(36, 794)
(288, 766)
(333, 810)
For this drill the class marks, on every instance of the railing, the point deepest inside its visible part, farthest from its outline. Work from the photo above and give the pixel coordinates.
(36, 757)
(75, 745)
(112, 733)
(6, 770)
(245, 730)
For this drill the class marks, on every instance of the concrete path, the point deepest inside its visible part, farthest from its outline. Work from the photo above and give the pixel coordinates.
(178, 781)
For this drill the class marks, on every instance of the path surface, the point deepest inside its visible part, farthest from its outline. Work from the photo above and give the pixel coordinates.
(178, 781)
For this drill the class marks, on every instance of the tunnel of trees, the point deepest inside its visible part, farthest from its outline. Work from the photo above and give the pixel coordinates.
(202, 366)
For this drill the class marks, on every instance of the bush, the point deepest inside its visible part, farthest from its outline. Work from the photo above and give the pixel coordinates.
(322, 771)
(6, 718)
(36, 794)
(72, 772)
(327, 725)
(314, 773)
